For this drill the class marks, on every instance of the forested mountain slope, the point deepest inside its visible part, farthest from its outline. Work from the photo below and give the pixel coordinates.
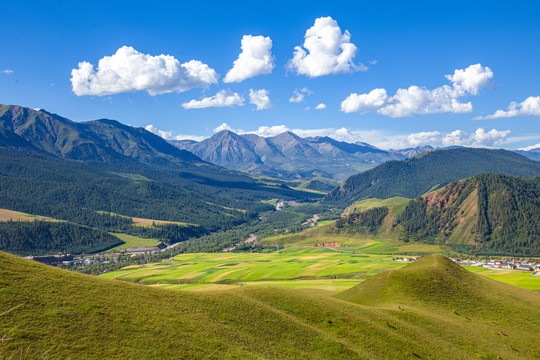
(88, 195)
(428, 171)
(494, 214)
(489, 214)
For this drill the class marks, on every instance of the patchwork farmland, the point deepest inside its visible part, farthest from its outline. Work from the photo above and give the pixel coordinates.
(301, 268)
(292, 267)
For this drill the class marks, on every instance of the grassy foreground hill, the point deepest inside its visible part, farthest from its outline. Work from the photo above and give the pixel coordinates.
(429, 171)
(48, 312)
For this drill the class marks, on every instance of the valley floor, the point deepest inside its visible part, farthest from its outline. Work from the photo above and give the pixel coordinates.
(293, 267)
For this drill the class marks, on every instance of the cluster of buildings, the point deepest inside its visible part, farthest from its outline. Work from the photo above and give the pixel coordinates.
(282, 203)
(53, 260)
(329, 244)
(69, 259)
(508, 264)
(407, 259)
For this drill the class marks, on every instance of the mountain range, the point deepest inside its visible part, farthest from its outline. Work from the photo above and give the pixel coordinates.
(290, 156)
(104, 140)
(107, 141)
(533, 153)
(95, 175)
(287, 155)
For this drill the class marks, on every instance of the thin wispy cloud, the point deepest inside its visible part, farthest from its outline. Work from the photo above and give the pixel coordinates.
(532, 147)
(171, 135)
(299, 95)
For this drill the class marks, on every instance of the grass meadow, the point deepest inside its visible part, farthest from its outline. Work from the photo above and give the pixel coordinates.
(10, 215)
(131, 241)
(430, 309)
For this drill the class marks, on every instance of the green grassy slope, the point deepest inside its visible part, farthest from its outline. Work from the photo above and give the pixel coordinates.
(430, 170)
(47, 312)
(395, 205)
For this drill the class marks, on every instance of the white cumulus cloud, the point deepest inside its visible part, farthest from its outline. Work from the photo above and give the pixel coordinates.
(419, 100)
(299, 95)
(371, 101)
(478, 138)
(321, 106)
(255, 59)
(261, 99)
(326, 50)
(528, 107)
(129, 70)
(267, 131)
(171, 135)
(7, 71)
(222, 99)
(423, 138)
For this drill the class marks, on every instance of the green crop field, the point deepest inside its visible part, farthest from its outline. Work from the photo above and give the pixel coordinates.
(522, 279)
(325, 222)
(292, 267)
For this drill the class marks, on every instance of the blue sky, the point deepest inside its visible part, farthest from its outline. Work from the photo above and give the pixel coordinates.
(371, 50)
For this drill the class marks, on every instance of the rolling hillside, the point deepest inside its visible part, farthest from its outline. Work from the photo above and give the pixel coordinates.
(431, 309)
(429, 171)
(488, 214)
